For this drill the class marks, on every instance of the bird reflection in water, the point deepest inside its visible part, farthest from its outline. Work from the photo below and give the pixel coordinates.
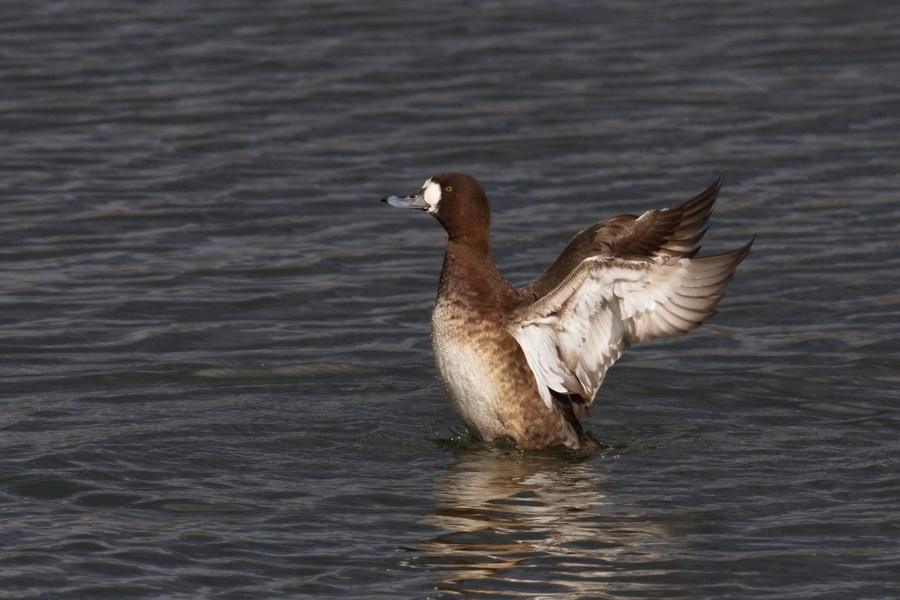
(533, 524)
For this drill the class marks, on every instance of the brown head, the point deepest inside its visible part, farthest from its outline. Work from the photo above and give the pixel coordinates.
(456, 200)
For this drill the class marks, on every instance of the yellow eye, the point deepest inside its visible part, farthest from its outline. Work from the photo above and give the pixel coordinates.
(449, 188)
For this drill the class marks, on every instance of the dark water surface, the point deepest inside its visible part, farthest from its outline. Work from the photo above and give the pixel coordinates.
(215, 369)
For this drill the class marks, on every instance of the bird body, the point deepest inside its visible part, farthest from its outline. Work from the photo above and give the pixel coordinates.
(527, 363)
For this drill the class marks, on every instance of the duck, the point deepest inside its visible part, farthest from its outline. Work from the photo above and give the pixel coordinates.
(525, 364)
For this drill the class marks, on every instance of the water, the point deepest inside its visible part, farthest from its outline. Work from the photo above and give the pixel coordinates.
(216, 377)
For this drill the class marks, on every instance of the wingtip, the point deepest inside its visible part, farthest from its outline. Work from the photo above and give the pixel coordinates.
(720, 179)
(743, 251)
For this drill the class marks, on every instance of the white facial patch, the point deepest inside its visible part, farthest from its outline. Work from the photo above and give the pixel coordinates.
(431, 195)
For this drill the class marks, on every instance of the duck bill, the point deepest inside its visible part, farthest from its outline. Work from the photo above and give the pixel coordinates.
(415, 200)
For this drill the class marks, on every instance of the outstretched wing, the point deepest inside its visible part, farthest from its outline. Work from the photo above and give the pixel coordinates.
(572, 335)
(672, 231)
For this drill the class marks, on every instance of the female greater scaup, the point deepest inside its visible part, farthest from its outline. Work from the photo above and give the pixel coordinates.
(526, 363)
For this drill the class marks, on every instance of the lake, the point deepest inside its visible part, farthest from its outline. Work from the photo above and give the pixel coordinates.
(216, 377)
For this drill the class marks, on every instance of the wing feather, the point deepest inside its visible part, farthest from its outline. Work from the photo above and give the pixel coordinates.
(672, 231)
(574, 333)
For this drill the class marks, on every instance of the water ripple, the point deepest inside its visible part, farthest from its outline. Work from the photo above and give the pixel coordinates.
(214, 339)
